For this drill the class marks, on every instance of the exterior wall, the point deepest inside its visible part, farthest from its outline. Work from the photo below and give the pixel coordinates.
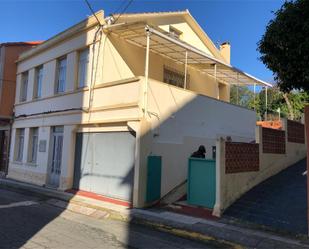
(115, 95)
(188, 35)
(110, 103)
(38, 173)
(182, 120)
(9, 55)
(231, 186)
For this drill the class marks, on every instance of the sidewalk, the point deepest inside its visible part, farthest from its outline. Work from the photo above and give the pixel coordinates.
(178, 224)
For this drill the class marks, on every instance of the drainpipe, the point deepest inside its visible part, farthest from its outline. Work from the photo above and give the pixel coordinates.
(8, 147)
(146, 71)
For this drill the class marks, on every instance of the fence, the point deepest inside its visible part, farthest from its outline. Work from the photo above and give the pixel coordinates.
(241, 166)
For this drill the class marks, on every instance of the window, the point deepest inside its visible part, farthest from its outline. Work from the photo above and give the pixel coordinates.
(38, 82)
(175, 32)
(61, 75)
(20, 138)
(173, 77)
(83, 62)
(24, 87)
(33, 145)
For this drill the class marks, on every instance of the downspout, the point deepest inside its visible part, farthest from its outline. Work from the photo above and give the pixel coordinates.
(9, 145)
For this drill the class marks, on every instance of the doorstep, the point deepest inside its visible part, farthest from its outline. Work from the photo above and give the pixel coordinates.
(98, 197)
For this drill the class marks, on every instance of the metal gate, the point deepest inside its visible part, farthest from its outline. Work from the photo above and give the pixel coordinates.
(104, 163)
(202, 182)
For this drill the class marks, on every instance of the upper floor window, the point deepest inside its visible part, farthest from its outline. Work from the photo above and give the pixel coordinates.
(20, 138)
(61, 75)
(24, 87)
(83, 63)
(174, 77)
(175, 32)
(33, 145)
(38, 82)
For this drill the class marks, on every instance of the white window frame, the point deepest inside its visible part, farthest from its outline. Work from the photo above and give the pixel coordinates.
(20, 141)
(24, 86)
(33, 145)
(61, 75)
(38, 82)
(83, 68)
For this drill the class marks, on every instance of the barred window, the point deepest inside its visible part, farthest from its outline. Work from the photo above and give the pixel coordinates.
(174, 77)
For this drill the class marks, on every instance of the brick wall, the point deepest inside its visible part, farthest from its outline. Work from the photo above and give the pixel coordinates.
(296, 132)
(273, 141)
(241, 157)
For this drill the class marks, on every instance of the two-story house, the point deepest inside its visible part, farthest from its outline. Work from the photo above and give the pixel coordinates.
(9, 53)
(93, 102)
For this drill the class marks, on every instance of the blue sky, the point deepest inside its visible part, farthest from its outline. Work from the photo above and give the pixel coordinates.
(241, 22)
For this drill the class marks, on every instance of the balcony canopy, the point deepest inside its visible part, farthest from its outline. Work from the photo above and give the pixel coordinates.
(162, 43)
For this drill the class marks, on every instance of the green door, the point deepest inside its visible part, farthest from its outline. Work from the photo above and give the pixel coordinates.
(153, 191)
(202, 182)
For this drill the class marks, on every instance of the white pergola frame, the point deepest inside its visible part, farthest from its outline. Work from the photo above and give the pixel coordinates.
(158, 41)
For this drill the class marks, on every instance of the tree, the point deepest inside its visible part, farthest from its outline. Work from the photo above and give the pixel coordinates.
(291, 104)
(241, 95)
(284, 47)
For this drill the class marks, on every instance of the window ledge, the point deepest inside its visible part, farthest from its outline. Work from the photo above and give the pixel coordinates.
(84, 88)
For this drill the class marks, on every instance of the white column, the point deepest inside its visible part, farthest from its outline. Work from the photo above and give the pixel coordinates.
(237, 94)
(216, 82)
(254, 95)
(186, 68)
(146, 72)
(266, 103)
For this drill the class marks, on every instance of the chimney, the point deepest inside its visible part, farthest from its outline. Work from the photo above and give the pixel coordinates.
(225, 51)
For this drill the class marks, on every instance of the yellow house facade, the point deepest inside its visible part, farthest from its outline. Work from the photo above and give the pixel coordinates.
(95, 101)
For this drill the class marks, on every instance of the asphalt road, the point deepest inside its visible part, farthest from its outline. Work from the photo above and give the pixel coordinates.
(27, 221)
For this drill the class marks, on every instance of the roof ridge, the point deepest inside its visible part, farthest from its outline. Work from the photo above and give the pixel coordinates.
(153, 12)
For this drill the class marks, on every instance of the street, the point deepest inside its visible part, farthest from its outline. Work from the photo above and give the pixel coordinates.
(27, 221)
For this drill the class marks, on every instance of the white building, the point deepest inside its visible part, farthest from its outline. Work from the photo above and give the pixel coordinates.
(91, 104)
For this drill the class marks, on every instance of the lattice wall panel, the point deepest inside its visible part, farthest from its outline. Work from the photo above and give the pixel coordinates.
(273, 141)
(296, 132)
(241, 157)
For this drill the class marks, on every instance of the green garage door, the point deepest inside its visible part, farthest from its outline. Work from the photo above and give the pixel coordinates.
(104, 163)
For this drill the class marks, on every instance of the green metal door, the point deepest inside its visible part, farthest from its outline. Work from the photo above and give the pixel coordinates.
(202, 182)
(153, 191)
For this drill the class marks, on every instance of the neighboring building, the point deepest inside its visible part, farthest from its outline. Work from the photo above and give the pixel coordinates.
(9, 53)
(93, 102)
